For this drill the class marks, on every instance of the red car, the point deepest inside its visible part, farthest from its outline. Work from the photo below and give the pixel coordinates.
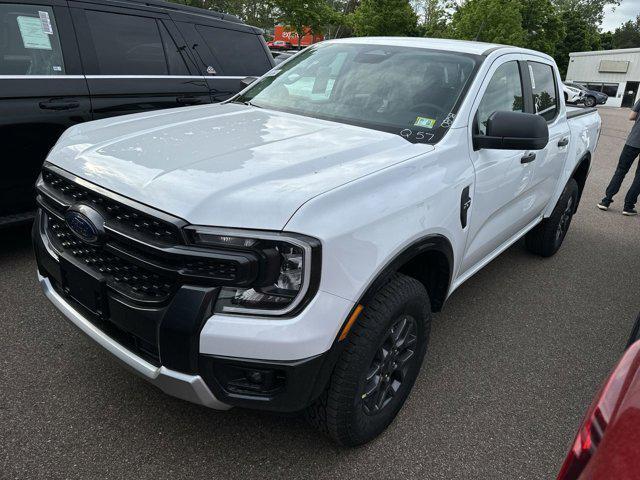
(279, 45)
(607, 445)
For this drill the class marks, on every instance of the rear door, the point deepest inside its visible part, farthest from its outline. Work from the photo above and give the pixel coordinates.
(227, 52)
(549, 162)
(42, 92)
(134, 61)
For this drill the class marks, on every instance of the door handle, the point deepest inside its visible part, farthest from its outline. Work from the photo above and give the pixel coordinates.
(188, 100)
(59, 104)
(528, 158)
(564, 142)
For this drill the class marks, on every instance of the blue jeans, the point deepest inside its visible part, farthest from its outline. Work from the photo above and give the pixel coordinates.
(627, 158)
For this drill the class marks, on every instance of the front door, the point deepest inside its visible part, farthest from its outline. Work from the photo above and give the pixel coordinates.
(630, 93)
(134, 61)
(500, 202)
(42, 93)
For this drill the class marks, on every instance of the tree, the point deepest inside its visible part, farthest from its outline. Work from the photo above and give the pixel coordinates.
(592, 11)
(627, 35)
(305, 16)
(496, 21)
(543, 27)
(580, 36)
(606, 40)
(384, 17)
(433, 17)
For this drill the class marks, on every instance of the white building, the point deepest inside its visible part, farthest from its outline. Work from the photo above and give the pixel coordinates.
(614, 72)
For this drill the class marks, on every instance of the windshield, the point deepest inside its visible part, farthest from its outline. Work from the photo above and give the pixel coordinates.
(412, 92)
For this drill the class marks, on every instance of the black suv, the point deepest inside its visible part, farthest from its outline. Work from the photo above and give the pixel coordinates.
(63, 62)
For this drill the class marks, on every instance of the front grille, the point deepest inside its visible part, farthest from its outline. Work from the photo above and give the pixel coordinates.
(122, 275)
(121, 217)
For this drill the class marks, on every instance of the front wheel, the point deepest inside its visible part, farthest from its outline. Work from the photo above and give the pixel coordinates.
(547, 237)
(378, 366)
(589, 102)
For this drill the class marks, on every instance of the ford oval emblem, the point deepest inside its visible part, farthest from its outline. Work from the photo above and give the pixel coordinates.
(85, 223)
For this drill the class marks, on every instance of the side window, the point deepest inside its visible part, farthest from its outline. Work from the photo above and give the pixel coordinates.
(29, 41)
(176, 63)
(504, 93)
(543, 85)
(239, 53)
(126, 44)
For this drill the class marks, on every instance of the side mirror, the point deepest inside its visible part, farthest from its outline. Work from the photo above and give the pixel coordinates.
(245, 82)
(513, 131)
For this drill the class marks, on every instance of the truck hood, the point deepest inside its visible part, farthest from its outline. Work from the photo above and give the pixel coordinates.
(228, 164)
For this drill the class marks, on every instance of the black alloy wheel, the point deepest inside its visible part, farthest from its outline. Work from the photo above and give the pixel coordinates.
(390, 365)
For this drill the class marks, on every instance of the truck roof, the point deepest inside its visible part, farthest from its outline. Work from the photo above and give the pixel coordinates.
(462, 46)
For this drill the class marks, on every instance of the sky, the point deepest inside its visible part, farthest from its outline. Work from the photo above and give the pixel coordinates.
(627, 10)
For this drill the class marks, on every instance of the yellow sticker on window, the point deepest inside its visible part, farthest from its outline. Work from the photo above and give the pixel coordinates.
(425, 122)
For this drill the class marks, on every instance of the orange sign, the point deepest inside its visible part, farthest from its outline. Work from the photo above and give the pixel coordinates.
(281, 33)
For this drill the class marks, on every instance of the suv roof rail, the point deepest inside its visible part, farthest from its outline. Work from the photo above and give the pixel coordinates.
(179, 7)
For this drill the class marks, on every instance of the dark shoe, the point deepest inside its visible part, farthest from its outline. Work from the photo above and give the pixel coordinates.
(630, 212)
(604, 204)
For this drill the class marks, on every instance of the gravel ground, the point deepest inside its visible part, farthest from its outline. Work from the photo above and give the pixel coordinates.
(514, 360)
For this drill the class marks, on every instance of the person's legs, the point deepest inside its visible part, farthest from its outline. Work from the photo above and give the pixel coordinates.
(633, 193)
(627, 157)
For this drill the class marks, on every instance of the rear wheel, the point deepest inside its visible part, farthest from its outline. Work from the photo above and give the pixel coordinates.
(546, 238)
(378, 366)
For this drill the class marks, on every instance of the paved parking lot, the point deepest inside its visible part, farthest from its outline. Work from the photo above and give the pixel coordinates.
(514, 360)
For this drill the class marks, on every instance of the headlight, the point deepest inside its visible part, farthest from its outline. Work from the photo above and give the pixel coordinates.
(286, 265)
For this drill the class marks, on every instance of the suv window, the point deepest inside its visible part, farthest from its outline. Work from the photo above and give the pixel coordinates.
(126, 44)
(29, 41)
(173, 55)
(543, 85)
(504, 93)
(239, 53)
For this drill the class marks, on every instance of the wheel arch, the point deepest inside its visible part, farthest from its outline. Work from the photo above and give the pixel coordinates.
(580, 174)
(429, 260)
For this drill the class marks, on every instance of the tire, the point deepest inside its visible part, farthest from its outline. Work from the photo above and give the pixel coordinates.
(344, 412)
(547, 237)
(589, 101)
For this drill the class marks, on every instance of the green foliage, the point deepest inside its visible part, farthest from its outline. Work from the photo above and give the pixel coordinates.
(497, 21)
(592, 11)
(305, 16)
(542, 24)
(384, 17)
(580, 36)
(627, 35)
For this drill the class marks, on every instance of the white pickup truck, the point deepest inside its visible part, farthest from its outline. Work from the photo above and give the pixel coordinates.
(285, 250)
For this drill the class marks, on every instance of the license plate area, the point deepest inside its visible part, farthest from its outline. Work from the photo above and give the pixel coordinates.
(84, 287)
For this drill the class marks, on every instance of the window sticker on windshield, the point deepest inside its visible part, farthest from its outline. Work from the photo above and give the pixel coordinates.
(46, 22)
(425, 122)
(446, 123)
(32, 34)
(57, 68)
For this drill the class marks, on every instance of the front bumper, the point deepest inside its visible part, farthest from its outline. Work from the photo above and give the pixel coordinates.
(187, 387)
(193, 355)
